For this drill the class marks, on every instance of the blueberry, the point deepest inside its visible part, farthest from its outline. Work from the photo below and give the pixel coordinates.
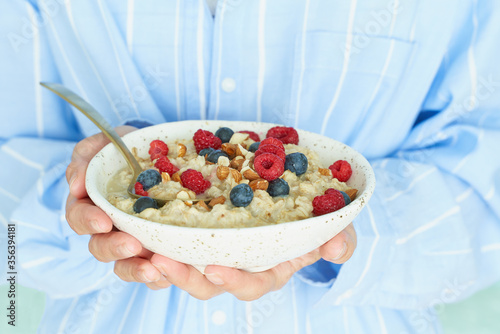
(149, 178)
(296, 163)
(206, 151)
(224, 134)
(215, 155)
(144, 203)
(278, 187)
(241, 195)
(347, 199)
(254, 147)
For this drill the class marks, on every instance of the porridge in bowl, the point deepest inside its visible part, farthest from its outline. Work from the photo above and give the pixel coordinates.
(250, 182)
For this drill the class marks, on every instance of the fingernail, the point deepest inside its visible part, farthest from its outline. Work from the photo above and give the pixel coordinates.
(96, 226)
(125, 251)
(161, 269)
(147, 277)
(341, 253)
(72, 180)
(214, 278)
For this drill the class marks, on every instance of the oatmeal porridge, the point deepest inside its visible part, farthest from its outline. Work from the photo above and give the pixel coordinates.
(249, 182)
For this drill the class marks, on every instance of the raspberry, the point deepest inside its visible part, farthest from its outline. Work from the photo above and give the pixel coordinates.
(139, 190)
(253, 135)
(165, 166)
(285, 134)
(157, 148)
(204, 139)
(273, 141)
(193, 180)
(347, 199)
(271, 149)
(328, 203)
(341, 170)
(269, 166)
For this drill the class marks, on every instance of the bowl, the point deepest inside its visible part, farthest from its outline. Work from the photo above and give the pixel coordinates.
(252, 249)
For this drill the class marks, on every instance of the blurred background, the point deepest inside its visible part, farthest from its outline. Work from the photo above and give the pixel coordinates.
(480, 314)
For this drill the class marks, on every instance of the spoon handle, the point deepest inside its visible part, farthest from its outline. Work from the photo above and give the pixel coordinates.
(98, 120)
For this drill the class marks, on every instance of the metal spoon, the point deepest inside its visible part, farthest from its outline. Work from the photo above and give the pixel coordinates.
(102, 124)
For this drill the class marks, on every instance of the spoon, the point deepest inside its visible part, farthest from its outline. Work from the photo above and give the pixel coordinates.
(104, 126)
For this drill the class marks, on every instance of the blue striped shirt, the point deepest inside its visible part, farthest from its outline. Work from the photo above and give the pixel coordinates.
(413, 85)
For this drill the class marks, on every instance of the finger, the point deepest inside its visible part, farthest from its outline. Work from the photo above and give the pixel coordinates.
(341, 247)
(162, 283)
(114, 246)
(251, 286)
(137, 270)
(186, 277)
(86, 218)
(83, 152)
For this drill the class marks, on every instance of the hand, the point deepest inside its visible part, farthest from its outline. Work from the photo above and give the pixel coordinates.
(136, 264)
(132, 261)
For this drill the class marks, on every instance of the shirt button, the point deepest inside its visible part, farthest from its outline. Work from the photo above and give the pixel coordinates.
(219, 317)
(228, 85)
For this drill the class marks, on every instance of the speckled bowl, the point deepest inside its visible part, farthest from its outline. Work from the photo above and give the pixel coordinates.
(252, 249)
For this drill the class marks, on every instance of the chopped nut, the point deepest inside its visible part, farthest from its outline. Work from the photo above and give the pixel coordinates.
(181, 150)
(230, 149)
(192, 194)
(223, 161)
(202, 204)
(259, 184)
(237, 163)
(240, 151)
(250, 174)
(183, 195)
(176, 177)
(238, 138)
(217, 200)
(222, 172)
(352, 193)
(236, 175)
(165, 177)
(188, 203)
(325, 171)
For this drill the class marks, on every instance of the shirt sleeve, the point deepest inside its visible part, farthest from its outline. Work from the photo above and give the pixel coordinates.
(35, 147)
(431, 232)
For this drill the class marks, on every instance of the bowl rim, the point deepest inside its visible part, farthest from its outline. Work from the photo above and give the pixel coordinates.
(101, 202)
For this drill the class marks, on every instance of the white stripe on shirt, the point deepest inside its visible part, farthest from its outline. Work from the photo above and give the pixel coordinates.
(176, 59)
(471, 59)
(130, 25)
(383, 327)
(67, 315)
(127, 309)
(489, 248)
(248, 317)
(37, 262)
(429, 225)
(262, 57)
(489, 195)
(412, 184)
(10, 195)
(219, 61)
(35, 227)
(463, 196)
(347, 57)
(117, 57)
(302, 64)
(144, 311)
(21, 158)
(36, 72)
(200, 63)
(294, 306)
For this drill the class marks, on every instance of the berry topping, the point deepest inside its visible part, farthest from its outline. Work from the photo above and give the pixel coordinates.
(341, 170)
(204, 139)
(193, 180)
(296, 163)
(149, 178)
(347, 199)
(215, 155)
(157, 148)
(278, 187)
(252, 135)
(273, 141)
(269, 166)
(241, 195)
(165, 166)
(144, 203)
(139, 190)
(254, 147)
(206, 151)
(285, 134)
(328, 203)
(224, 134)
(271, 149)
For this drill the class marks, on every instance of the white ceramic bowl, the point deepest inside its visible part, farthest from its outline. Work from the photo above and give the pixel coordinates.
(252, 249)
